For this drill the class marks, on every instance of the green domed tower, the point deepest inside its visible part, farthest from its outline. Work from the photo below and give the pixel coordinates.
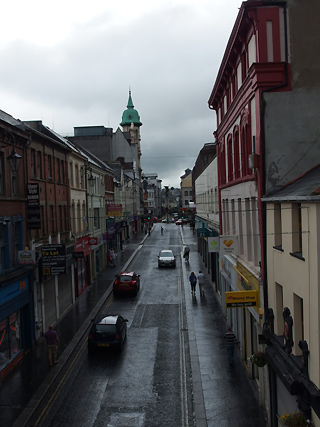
(131, 126)
(130, 115)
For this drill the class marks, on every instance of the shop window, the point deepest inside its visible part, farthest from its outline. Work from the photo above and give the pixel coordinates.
(9, 338)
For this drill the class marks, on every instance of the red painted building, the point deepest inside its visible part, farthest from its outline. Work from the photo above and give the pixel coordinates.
(266, 98)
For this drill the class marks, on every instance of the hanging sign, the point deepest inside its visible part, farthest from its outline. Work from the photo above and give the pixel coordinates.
(213, 244)
(229, 245)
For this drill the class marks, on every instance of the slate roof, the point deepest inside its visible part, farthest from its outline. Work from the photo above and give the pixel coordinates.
(304, 187)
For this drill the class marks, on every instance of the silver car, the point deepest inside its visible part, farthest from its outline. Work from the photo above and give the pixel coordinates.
(166, 258)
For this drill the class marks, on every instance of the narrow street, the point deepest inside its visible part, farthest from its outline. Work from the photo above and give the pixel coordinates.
(173, 370)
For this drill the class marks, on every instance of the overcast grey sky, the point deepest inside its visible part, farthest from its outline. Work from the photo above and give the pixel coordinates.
(70, 63)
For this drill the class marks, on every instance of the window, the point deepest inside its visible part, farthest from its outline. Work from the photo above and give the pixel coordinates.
(62, 172)
(190, 193)
(71, 173)
(58, 171)
(79, 218)
(96, 213)
(236, 155)
(17, 238)
(32, 163)
(76, 177)
(186, 193)
(277, 226)
(66, 226)
(50, 167)
(186, 202)
(39, 164)
(43, 220)
(14, 185)
(60, 218)
(51, 219)
(1, 174)
(296, 229)
(298, 321)
(279, 309)
(230, 159)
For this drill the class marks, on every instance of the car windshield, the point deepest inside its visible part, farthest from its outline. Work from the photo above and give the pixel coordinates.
(105, 329)
(125, 278)
(166, 253)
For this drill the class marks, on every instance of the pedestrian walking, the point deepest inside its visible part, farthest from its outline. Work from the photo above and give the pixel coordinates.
(114, 258)
(186, 254)
(201, 279)
(193, 282)
(231, 343)
(51, 341)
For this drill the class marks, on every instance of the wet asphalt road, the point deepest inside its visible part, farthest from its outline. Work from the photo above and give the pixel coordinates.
(150, 382)
(173, 370)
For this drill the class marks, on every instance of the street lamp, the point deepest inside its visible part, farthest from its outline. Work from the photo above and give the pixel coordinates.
(14, 158)
(91, 180)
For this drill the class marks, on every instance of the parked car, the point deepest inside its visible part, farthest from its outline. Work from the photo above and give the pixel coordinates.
(126, 281)
(166, 258)
(107, 331)
(154, 219)
(179, 222)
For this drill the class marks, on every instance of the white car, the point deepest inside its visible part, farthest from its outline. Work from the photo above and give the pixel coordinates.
(166, 258)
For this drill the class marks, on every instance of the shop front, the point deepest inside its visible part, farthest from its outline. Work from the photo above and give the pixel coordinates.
(16, 320)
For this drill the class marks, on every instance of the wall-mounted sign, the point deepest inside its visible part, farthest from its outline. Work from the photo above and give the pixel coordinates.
(33, 207)
(228, 245)
(26, 257)
(213, 244)
(54, 260)
(93, 241)
(241, 299)
(114, 210)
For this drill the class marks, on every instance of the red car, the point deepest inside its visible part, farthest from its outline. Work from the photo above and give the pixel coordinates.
(180, 222)
(126, 281)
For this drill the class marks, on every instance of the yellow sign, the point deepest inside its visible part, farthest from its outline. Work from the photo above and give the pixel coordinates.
(241, 299)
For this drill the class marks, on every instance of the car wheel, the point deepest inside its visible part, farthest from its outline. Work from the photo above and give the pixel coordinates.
(159, 266)
(115, 294)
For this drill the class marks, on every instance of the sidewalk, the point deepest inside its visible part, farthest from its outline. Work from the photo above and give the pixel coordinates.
(22, 389)
(224, 395)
